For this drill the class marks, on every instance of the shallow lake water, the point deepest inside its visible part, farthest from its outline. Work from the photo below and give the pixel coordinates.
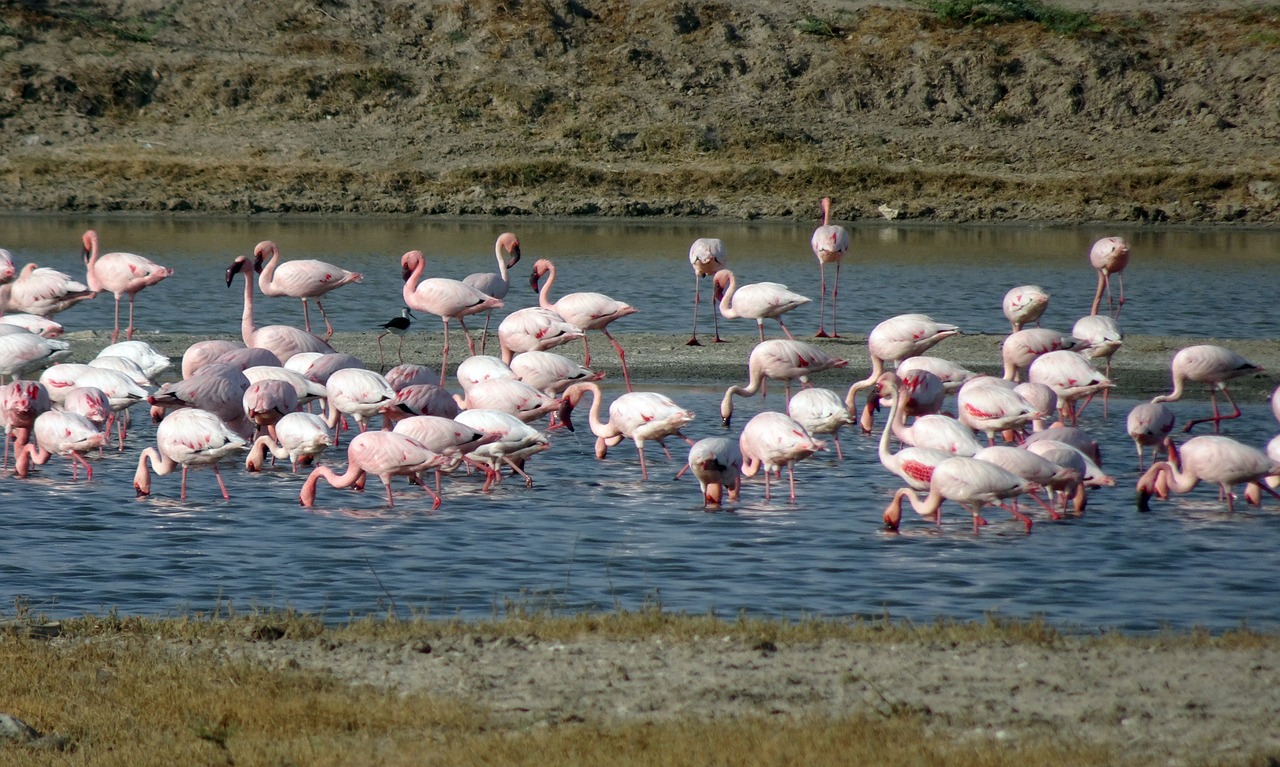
(590, 534)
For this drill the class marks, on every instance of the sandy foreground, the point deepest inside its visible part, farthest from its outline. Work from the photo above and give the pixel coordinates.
(1160, 702)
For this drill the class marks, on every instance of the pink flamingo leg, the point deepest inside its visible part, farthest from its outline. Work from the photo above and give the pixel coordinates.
(822, 301)
(697, 294)
(328, 328)
(622, 357)
(221, 485)
(835, 291)
(528, 481)
(76, 458)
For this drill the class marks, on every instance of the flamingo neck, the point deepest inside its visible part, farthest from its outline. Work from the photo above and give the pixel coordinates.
(544, 293)
(602, 429)
(269, 270)
(1097, 297)
(895, 406)
(1179, 385)
(247, 327)
(411, 285)
(726, 301)
(502, 263)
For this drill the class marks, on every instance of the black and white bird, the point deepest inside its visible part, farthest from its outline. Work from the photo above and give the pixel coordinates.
(399, 326)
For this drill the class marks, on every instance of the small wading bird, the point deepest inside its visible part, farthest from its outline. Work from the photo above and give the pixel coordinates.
(707, 256)
(304, 278)
(397, 326)
(123, 274)
(830, 242)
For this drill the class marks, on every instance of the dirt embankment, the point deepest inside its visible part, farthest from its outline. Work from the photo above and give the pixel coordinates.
(1160, 112)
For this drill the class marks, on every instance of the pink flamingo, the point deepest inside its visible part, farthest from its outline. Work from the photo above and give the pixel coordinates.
(894, 340)
(385, 454)
(1209, 458)
(304, 388)
(967, 481)
(446, 436)
(1024, 304)
(7, 273)
(550, 372)
(21, 402)
(282, 340)
(940, 432)
(401, 376)
(914, 465)
(201, 353)
(356, 392)
(951, 374)
(123, 274)
(821, 411)
(43, 292)
(781, 359)
(991, 408)
(717, 464)
(1148, 424)
(266, 402)
(32, 323)
(514, 441)
(1212, 366)
(771, 440)
(638, 416)
(1071, 376)
(149, 358)
(1036, 469)
(60, 433)
(509, 396)
(589, 311)
(419, 399)
(446, 299)
(187, 437)
(304, 278)
(707, 256)
(830, 242)
(1109, 256)
(1022, 347)
(923, 394)
(22, 353)
(482, 367)
(507, 252)
(1104, 339)
(757, 301)
(300, 437)
(534, 329)
(217, 388)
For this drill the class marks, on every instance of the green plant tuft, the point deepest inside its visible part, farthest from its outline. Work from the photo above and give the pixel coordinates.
(987, 12)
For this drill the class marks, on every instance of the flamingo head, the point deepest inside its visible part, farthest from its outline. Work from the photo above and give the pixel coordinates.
(236, 267)
(411, 262)
(1149, 484)
(264, 251)
(508, 242)
(89, 243)
(720, 284)
(540, 267)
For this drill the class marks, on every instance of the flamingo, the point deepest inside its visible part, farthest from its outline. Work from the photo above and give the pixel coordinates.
(266, 402)
(32, 323)
(951, 374)
(1208, 458)
(1210, 365)
(201, 353)
(43, 292)
(914, 465)
(121, 390)
(447, 437)
(90, 402)
(781, 359)
(303, 278)
(397, 326)
(1022, 347)
(1073, 436)
(21, 402)
(830, 242)
(771, 440)
(217, 388)
(923, 394)
(248, 357)
(1148, 424)
(896, 339)
(506, 249)
(1071, 456)
(300, 437)
(939, 432)
(1071, 376)
(482, 367)
(638, 416)
(757, 301)
(1109, 256)
(534, 329)
(589, 311)
(149, 358)
(1024, 304)
(446, 299)
(1041, 398)
(416, 400)
(1104, 339)
(401, 376)
(509, 396)
(60, 433)
(304, 388)
(23, 352)
(1036, 469)
(717, 464)
(123, 274)
(707, 255)
(282, 340)
(821, 411)
(550, 372)
(122, 365)
(991, 408)
(7, 273)
(967, 481)
(356, 392)
(385, 454)
(513, 442)
(187, 437)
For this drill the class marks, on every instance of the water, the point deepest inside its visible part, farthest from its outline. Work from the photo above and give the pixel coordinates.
(590, 534)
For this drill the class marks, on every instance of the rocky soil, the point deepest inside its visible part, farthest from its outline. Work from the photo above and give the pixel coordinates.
(1141, 111)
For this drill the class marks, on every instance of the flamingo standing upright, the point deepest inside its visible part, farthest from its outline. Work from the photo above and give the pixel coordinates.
(445, 298)
(638, 416)
(506, 249)
(821, 411)
(756, 301)
(550, 372)
(1023, 305)
(1212, 366)
(282, 340)
(385, 454)
(781, 359)
(513, 442)
(304, 278)
(23, 352)
(589, 311)
(534, 329)
(1209, 458)
(830, 242)
(187, 437)
(771, 440)
(43, 292)
(967, 481)
(1109, 256)
(123, 274)
(1071, 376)
(707, 256)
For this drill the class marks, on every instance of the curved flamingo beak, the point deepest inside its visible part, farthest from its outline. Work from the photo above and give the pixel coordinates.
(405, 271)
(257, 262)
(533, 280)
(234, 269)
(565, 412)
(515, 256)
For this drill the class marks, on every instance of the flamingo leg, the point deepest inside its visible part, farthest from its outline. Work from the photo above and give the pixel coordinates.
(1217, 417)
(129, 334)
(444, 355)
(644, 469)
(1053, 513)
(822, 301)
(528, 481)
(221, 485)
(586, 352)
(115, 334)
(183, 495)
(471, 345)
(434, 495)
(484, 334)
(622, 357)
(1017, 514)
(328, 329)
(835, 437)
(76, 458)
(835, 290)
(697, 295)
(791, 480)
(781, 324)
(306, 316)
(1120, 299)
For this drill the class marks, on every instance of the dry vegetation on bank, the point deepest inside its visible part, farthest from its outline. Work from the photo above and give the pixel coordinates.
(1140, 112)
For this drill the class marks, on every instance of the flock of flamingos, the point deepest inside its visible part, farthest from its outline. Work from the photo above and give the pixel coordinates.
(975, 440)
